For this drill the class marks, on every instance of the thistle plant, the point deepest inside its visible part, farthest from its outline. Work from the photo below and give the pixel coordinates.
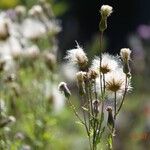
(102, 85)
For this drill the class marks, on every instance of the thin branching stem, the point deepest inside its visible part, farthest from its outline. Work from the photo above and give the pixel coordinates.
(75, 112)
(84, 117)
(77, 115)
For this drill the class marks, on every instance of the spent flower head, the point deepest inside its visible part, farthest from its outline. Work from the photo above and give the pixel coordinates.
(77, 56)
(108, 63)
(125, 54)
(80, 76)
(116, 82)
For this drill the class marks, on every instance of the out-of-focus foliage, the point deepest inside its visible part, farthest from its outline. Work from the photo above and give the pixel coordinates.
(8, 3)
(59, 7)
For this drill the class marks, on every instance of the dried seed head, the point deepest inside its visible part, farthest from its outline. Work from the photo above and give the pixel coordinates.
(116, 80)
(4, 29)
(108, 63)
(80, 76)
(106, 10)
(114, 85)
(63, 88)
(77, 56)
(80, 80)
(104, 69)
(92, 74)
(125, 54)
(50, 60)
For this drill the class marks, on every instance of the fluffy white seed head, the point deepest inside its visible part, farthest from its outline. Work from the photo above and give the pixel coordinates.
(125, 54)
(106, 10)
(108, 63)
(33, 29)
(77, 56)
(116, 82)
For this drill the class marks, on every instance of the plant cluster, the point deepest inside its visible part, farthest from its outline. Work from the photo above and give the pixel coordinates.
(102, 85)
(28, 78)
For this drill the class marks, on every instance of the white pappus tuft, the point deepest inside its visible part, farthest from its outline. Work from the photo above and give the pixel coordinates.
(77, 56)
(108, 63)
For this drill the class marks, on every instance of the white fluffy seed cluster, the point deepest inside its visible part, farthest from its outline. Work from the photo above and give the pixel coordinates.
(108, 63)
(77, 56)
(111, 69)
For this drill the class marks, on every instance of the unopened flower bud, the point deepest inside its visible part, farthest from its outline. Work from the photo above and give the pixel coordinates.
(110, 121)
(105, 11)
(63, 88)
(95, 107)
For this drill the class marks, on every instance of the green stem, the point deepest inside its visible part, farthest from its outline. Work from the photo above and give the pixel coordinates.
(123, 98)
(101, 41)
(115, 105)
